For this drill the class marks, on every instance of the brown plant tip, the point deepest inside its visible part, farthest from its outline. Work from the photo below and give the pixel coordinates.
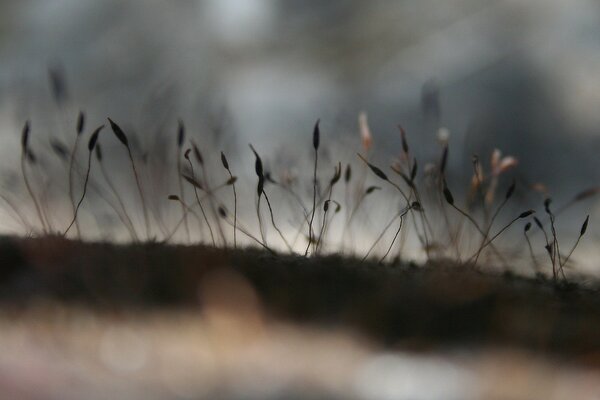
(118, 133)
(80, 122)
(231, 180)
(586, 193)
(316, 135)
(94, 138)
(180, 133)
(25, 135)
(173, 197)
(224, 161)
(526, 214)
(403, 139)
(584, 226)
(511, 190)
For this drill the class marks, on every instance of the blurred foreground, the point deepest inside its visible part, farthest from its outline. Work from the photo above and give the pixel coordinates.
(153, 321)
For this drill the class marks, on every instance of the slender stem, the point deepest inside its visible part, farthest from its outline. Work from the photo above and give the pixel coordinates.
(87, 177)
(181, 192)
(393, 240)
(141, 192)
(125, 217)
(31, 193)
(71, 189)
(275, 225)
(312, 217)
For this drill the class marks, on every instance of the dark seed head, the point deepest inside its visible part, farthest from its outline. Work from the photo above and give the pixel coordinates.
(538, 223)
(326, 205)
(197, 154)
(547, 205)
(416, 206)
(98, 153)
(80, 122)
(222, 212)
(527, 227)
(173, 197)
(25, 135)
(337, 174)
(511, 190)
(94, 138)
(526, 214)
(316, 135)
(348, 173)
(403, 138)
(119, 133)
(186, 154)
(371, 189)
(413, 171)
(31, 157)
(59, 149)
(232, 180)
(448, 194)
(444, 160)
(260, 186)
(258, 166)
(224, 161)
(193, 182)
(584, 226)
(180, 133)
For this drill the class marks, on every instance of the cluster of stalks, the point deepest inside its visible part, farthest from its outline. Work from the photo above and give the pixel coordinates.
(422, 196)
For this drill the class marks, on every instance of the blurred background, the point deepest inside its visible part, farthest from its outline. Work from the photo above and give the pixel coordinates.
(518, 76)
(521, 77)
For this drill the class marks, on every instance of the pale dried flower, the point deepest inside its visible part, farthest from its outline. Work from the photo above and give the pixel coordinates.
(365, 132)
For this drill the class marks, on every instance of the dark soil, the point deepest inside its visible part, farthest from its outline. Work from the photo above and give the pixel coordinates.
(420, 307)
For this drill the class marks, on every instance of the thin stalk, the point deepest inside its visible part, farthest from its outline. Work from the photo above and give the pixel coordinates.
(87, 177)
(141, 192)
(312, 217)
(31, 193)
